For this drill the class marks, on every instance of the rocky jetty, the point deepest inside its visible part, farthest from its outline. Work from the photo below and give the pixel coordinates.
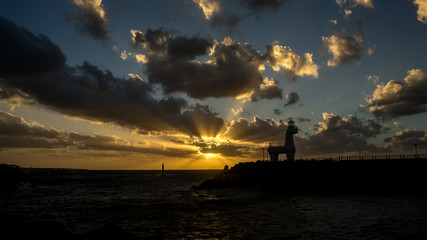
(327, 176)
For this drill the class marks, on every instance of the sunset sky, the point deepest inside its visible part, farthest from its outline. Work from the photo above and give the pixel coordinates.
(197, 84)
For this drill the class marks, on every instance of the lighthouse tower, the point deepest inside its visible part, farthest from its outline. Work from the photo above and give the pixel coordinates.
(288, 148)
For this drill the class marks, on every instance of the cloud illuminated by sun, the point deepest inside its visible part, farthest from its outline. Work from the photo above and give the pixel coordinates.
(209, 7)
(217, 140)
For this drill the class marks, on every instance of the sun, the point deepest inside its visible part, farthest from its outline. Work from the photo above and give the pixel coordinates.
(210, 155)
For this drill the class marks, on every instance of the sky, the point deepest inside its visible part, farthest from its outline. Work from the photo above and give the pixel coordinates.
(198, 84)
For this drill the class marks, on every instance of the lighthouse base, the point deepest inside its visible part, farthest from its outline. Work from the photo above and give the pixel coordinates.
(274, 152)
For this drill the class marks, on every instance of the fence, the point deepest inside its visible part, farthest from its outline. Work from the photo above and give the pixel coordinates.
(367, 157)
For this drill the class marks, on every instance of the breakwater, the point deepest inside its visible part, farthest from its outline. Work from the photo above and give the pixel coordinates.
(378, 176)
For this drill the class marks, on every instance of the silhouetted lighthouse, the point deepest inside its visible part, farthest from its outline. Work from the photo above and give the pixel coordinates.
(288, 148)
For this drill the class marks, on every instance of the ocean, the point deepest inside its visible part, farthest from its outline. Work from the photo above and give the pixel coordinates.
(146, 205)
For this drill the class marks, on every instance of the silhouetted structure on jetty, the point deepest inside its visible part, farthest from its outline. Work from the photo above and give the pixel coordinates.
(376, 176)
(288, 148)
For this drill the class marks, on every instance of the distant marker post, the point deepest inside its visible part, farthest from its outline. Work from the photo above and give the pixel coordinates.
(163, 169)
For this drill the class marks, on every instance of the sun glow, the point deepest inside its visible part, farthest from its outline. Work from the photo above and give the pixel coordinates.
(210, 155)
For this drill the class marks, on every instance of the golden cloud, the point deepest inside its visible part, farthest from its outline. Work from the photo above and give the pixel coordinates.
(209, 7)
(282, 57)
(422, 10)
(397, 98)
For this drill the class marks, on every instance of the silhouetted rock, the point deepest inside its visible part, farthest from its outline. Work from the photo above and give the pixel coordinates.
(11, 176)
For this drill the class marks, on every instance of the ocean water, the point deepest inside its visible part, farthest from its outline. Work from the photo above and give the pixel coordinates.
(149, 206)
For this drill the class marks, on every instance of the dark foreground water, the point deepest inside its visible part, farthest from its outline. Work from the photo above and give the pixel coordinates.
(146, 205)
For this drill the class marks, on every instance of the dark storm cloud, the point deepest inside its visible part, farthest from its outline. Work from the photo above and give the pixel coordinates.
(400, 98)
(11, 93)
(89, 92)
(291, 98)
(340, 135)
(189, 48)
(165, 43)
(259, 6)
(352, 126)
(30, 142)
(14, 97)
(114, 143)
(268, 90)
(232, 69)
(407, 139)
(24, 53)
(15, 132)
(217, 12)
(90, 19)
(256, 7)
(334, 135)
